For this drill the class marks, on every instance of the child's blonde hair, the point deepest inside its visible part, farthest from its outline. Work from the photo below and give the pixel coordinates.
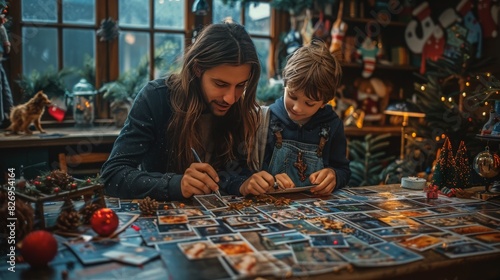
(315, 70)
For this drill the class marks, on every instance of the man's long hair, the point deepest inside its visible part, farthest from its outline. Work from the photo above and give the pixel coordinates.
(233, 134)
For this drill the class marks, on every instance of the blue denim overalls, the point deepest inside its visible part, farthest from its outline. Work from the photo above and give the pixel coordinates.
(298, 160)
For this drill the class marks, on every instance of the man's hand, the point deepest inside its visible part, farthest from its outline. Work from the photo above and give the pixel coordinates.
(199, 178)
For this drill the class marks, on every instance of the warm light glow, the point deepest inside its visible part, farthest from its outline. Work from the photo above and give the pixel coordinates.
(450, 99)
(484, 114)
(464, 94)
(486, 103)
(413, 134)
(130, 39)
(488, 74)
(443, 136)
(422, 87)
(437, 138)
(442, 98)
(467, 84)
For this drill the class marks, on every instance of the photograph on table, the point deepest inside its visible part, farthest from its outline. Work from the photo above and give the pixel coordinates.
(491, 238)
(202, 222)
(235, 248)
(153, 238)
(303, 226)
(172, 219)
(210, 201)
(315, 255)
(213, 230)
(168, 228)
(134, 255)
(464, 248)
(471, 229)
(361, 254)
(399, 255)
(279, 238)
(244, 220)
(252, 264)
(331, 240)
(199, 249)
(421, 242)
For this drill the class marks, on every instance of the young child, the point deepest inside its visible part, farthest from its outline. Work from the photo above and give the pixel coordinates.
(306, 143)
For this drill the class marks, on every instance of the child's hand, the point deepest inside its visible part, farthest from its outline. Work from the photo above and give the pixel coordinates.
(326, 180)
(284, 181)
(259, 183)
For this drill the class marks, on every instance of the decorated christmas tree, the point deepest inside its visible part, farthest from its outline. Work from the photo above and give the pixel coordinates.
(463, 167)
(445, 174)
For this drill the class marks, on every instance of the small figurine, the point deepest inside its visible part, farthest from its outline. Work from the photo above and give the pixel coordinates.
(432, 191)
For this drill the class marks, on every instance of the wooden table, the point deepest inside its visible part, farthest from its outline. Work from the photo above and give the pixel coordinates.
(174, 265)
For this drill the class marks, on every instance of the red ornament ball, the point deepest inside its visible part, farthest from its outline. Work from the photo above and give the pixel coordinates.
(38, 248)
(104, 221)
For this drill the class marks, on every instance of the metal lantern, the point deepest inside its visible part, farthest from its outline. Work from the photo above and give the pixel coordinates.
(84, 104)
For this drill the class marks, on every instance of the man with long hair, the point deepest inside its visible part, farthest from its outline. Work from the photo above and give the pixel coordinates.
(210, 107)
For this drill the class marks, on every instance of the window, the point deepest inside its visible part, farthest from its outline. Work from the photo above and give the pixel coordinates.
(61, 34)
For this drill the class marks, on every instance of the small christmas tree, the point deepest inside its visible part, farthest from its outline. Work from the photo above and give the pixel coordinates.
(463, 168)
(445, 174)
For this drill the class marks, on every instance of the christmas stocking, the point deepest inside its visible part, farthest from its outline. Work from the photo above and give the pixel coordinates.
(416, 43)
(433, 48)
(369, 52)
(307, 30)
(474, 32)
(488, 17)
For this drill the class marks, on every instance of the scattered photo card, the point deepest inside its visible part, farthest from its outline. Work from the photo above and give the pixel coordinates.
(92, 252)
(272, 208)
(213, 230)
(210, 201)
(491, 238)
(464, 248)
(332, 240)
(285, 215)
(397, 204)
(132, 255)
(433, 201)
(202, 222)
(449, 220)
(190, 212)
(252, 264)
(392, 231)
(173, 228)
(199, 249)
(303, 226)
(278, 238)
(398, 254)
(225, 238)
(316, 255)
(224, 212)
(152, 238)
(112, 202)
(247, 227)
(304, 270)
(244, 220)
(421, 242)
(248, 211)
(495, 214)
(276, 227)
(172, 219)
(362, 254)
(234, 248)
(472, 229)
(129, 207)
(306, 211)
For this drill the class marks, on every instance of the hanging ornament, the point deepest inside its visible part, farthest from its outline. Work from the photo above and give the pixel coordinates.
(487, 165)
(38, 248)
(108, 30)
(104, 222)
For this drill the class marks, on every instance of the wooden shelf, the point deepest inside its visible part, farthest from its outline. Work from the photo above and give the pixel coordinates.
(354, 131)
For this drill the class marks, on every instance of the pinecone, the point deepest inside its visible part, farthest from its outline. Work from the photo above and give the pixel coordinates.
(148, 206)
(58, 178)
(69, 218)
(87, 212)
(24, 214)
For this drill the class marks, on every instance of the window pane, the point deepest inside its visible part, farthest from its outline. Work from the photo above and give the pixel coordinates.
(133, 13)
(45, 11)
(79, 11)
(170, 47)
(169, 14)
(39, 49)
(133, 47)
(257, 18)
(78, 45)
(262, 46)
(221, 11)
